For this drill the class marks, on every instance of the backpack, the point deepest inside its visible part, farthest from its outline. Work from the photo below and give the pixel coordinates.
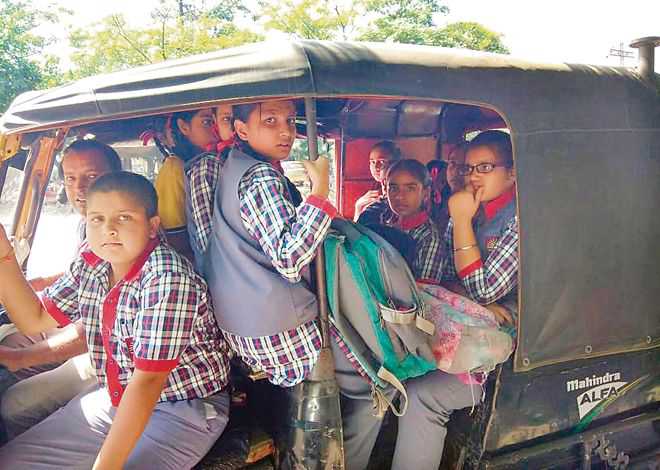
(376, 310)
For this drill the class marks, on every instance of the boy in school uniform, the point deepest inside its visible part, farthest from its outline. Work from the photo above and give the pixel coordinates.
(159, 357)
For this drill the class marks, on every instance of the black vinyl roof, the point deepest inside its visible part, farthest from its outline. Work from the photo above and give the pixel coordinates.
(273, 69)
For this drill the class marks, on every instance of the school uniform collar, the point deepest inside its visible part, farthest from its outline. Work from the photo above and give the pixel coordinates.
(224, 144)
(247, 149)
(491, 208)
(414, 221)
(94, 261)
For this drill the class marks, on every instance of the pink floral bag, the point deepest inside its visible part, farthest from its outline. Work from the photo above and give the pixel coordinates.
(467, 337)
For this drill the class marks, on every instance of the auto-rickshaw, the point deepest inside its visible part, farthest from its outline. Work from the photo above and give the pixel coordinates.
(583, 387)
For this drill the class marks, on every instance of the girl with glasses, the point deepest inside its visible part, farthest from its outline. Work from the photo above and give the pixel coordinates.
(482, 235)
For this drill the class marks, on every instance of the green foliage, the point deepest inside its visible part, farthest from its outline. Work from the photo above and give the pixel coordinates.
(469, 35)
(179, 29)
(309, 19)
(18, 47)
(404, 21)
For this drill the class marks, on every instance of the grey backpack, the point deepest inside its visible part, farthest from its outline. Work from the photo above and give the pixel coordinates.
(376, 309)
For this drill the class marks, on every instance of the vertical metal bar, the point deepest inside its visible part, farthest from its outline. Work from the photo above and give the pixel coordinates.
(314, 440)
(312, 143)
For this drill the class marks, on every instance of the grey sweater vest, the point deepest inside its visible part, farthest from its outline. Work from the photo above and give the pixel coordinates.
(488, 232)
(250, 297)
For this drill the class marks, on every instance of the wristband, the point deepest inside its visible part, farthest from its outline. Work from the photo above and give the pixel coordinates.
(463, 248)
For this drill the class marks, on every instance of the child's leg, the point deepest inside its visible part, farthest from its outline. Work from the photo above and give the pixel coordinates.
(70, 438)
(422, 430)
(360, 425)
(180, 433)
(31, 400)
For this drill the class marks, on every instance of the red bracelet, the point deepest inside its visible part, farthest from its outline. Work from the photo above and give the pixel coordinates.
(8, 256)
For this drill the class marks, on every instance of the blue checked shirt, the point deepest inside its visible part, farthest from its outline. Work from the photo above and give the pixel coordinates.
(203, 176)
(289, 236)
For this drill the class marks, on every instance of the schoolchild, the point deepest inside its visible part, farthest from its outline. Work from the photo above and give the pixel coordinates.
(482, 235)
(195, 138)
(440, 192)
(257, 263)
(454, 159)
(160, 359)
(372, 206)
(482, 246)
(53, 367)
(408, 193)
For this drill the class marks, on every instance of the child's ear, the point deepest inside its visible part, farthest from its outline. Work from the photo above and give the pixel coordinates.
(241, 129)
(183, 126)
(154, 225)
(512, 173)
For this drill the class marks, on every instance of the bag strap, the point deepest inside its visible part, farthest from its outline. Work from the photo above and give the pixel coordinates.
(407, 317)
(391, 379)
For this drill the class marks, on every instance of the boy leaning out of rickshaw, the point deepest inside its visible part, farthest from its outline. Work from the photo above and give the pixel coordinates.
(160, 359)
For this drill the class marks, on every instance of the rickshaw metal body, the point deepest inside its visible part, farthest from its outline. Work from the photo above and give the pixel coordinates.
(587, 153)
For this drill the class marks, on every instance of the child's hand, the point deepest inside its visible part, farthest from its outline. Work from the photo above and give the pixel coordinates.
(318, 172)
(366, 200)
(463, 205)
(502, 315)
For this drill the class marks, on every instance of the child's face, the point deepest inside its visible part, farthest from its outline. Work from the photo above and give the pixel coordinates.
(456, 182)
(379, 162)
(200, 131)
(406, 194)
(223, 115)
(118, 229)
(495, 183)
(270, 129)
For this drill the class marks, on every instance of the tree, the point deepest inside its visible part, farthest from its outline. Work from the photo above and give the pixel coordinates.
(469, 35)
(18, 48)
(310, 19)
(178, 29)
(404, 21)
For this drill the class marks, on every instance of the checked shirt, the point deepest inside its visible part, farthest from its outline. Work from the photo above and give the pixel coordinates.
(203, 176)
(487, 281)
(157, 318)
(289, 237)
(428, 247)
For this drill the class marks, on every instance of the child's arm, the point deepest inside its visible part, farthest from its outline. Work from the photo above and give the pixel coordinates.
(22, 304)
(68, 343)
(288, 236)
(202, 180)
(133, 413)
(429, 260)
(490, 280)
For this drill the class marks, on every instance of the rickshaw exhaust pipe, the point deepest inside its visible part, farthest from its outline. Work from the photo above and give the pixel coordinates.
(315, 439)
(646, 65)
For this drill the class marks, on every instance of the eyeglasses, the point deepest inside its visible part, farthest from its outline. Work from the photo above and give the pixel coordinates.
(482, 168)
(379, 164)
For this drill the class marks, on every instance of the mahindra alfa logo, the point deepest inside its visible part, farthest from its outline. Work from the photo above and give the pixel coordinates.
(599, 388)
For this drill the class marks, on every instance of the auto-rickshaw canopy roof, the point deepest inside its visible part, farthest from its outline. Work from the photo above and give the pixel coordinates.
(587, 151)
(272, 69)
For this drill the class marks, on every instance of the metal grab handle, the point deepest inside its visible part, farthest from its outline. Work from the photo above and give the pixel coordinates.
(321, 290)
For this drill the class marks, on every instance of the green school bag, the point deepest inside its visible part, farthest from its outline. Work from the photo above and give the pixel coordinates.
(377, 310)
